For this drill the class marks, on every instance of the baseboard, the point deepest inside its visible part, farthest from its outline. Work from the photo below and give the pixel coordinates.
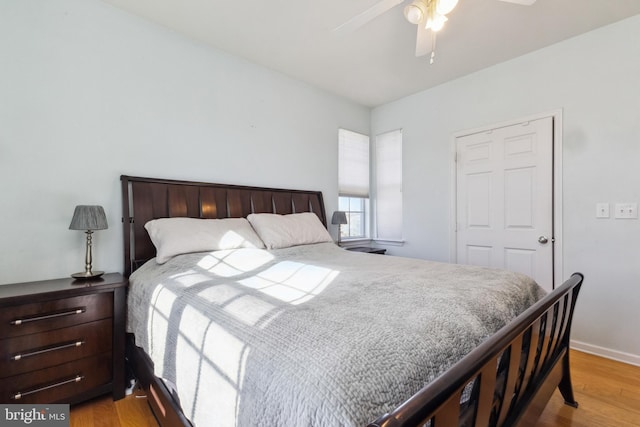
(607, 353)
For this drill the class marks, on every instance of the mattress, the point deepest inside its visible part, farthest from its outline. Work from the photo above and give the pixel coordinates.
(311, 335)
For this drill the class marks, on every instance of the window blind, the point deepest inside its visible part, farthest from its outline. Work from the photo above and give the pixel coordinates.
(388, 163)
(353, 164)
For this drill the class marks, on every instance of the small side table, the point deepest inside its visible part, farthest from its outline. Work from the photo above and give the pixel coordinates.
(367, 249)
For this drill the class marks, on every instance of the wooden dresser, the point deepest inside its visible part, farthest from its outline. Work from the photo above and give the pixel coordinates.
(62, 341)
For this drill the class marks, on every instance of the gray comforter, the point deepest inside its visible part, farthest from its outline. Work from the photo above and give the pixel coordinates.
(311, 335)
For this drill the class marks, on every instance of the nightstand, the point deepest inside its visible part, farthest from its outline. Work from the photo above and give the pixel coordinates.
(62, 341)
(367, 249)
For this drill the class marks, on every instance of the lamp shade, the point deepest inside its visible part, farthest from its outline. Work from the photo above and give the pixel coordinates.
(88, 218)
(445, 6)
(339, 217)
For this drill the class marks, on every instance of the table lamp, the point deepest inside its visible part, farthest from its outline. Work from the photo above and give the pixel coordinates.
(88, 218)
(339, 217)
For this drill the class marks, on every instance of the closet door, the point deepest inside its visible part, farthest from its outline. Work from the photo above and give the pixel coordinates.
(504, 197)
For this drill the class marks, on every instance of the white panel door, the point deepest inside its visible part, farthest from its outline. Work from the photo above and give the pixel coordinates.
(504, 200)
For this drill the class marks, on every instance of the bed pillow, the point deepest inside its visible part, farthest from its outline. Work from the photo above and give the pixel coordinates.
(283, 231)
(175, 236)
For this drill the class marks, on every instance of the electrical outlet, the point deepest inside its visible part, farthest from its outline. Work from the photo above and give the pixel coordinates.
(626, 210)
(602, 210)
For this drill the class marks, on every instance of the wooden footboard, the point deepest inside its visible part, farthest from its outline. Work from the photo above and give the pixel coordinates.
(508, 379)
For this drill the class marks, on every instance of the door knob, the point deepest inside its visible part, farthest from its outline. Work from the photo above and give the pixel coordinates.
(543, 239)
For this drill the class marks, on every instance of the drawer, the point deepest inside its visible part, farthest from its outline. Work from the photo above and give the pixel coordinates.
(57, 384)
(47, 315)
(36, 351)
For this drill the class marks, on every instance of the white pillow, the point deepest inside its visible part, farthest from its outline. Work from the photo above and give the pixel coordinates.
(282, 231)
(175, 236)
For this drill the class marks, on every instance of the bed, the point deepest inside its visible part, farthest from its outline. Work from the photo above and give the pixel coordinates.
(301, 332)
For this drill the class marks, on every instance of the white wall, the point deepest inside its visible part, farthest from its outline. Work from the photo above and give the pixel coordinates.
(595, 80)
(88, 92)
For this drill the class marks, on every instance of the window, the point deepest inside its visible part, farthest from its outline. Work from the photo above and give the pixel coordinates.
(388, 196)
(353, 183)
(356, 209)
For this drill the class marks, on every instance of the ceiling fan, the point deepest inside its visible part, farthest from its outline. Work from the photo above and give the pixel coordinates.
(428, 15)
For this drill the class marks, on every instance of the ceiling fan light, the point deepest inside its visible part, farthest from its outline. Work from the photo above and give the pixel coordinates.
(445, 6)
(415, 12)
(436, 22)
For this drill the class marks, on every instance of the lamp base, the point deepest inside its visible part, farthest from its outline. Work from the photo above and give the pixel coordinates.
(87, 274)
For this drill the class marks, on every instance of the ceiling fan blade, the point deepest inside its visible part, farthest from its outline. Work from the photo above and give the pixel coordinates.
(423, 41)
(366, 16)
(522, 2)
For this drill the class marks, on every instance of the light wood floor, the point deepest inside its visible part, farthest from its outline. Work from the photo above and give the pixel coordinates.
(132, 411)
(608, 393)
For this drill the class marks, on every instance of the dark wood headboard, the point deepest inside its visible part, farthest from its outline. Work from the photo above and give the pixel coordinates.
(144, 199)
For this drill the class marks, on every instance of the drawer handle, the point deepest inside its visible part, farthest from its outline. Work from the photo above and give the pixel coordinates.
(47, 349)
(20, 395)
(79, 310)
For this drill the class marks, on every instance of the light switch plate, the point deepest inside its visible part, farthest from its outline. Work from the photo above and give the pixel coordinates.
(626, 210)
(602, 210)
